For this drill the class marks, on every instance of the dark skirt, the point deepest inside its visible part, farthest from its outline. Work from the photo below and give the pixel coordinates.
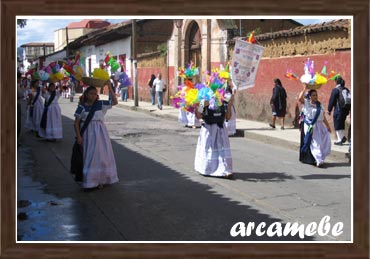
(339, 118)
(278, 112)
(305, 157)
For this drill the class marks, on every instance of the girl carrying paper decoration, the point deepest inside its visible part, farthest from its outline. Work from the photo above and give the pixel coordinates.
(51, 123)
(315, 130)
(213, 155)
(99, 165)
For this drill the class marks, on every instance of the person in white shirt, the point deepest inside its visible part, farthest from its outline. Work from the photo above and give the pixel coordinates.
(159, 88)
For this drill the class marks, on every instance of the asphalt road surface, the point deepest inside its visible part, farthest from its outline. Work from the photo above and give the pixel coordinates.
(161, 198)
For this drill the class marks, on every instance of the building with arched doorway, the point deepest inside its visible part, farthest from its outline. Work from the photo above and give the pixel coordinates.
(205, 42)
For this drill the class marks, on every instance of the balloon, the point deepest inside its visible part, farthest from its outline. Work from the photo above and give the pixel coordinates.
(68, 69)
(106, 59)
(251, 38)
(124, 80)
(43, 75)
(59, 75)
(35, 75)
(114, 67)
(289, 74)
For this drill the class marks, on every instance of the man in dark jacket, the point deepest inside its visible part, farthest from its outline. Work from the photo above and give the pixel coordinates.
(340, 113)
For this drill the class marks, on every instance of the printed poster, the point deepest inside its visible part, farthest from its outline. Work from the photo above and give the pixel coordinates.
(244, 64)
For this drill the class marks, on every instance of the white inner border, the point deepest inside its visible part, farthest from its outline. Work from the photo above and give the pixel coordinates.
(249, 17)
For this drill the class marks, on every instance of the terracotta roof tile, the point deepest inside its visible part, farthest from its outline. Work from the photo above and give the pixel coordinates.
(38, 44)
(334, 25)
(88, 23)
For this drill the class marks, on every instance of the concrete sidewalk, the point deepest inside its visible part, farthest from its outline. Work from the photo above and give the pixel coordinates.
(256, 130)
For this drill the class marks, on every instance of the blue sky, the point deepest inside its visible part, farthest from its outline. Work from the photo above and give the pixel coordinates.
(42, 30)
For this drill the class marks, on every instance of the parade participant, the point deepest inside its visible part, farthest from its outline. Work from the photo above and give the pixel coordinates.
(340, 111)
(182, 117)
(35, 107)
(99, 165)
(19, 106)
(278, 103)
(231, 123)
(51, 122)
(213, 155)
(192, 120)
(315, 130)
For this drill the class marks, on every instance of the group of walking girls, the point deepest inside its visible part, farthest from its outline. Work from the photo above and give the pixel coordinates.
(44, 115)
(315, 129)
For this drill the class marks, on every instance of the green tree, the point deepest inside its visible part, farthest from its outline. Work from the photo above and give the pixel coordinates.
(21, 23)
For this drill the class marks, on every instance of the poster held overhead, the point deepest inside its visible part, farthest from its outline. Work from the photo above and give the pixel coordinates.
(244, 64)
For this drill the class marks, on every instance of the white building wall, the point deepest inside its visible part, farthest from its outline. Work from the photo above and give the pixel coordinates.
(218, 40)
(97, 53)
(55, 57)
(60, 36)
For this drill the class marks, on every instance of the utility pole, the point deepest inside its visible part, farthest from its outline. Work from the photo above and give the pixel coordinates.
(67, 51)
(134, 61)
(178, 23)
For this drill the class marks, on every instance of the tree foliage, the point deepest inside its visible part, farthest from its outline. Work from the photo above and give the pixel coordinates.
(21, 23)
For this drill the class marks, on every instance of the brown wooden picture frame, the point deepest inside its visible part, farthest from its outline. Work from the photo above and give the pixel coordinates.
(360, 247)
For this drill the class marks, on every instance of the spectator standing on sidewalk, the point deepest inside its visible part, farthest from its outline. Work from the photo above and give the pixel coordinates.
(340, 112)
(159, 88)
(152, 88)
(99, 165)
(123, 89)
(315, 130)
(278, 103)
(213, 155)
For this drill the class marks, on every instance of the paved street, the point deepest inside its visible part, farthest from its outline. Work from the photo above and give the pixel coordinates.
(161, 198)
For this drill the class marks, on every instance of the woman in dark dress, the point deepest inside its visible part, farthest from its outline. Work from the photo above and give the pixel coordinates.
(278, 103)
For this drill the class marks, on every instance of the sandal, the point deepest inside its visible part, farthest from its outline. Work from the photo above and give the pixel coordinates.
(228, 176)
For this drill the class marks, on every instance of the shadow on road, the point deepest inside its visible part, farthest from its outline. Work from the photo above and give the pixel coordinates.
(263, 177)
(324, 176)
(151, 202)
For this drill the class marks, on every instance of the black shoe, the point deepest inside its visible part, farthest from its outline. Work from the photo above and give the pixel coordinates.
(344, 139)
(338, 143)
(272, 126)
(282, 128)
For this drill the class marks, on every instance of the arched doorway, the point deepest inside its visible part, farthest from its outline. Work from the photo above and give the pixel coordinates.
(193, 49)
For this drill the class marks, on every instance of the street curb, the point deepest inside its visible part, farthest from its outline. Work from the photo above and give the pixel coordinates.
(334, 155)
(133, 108)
